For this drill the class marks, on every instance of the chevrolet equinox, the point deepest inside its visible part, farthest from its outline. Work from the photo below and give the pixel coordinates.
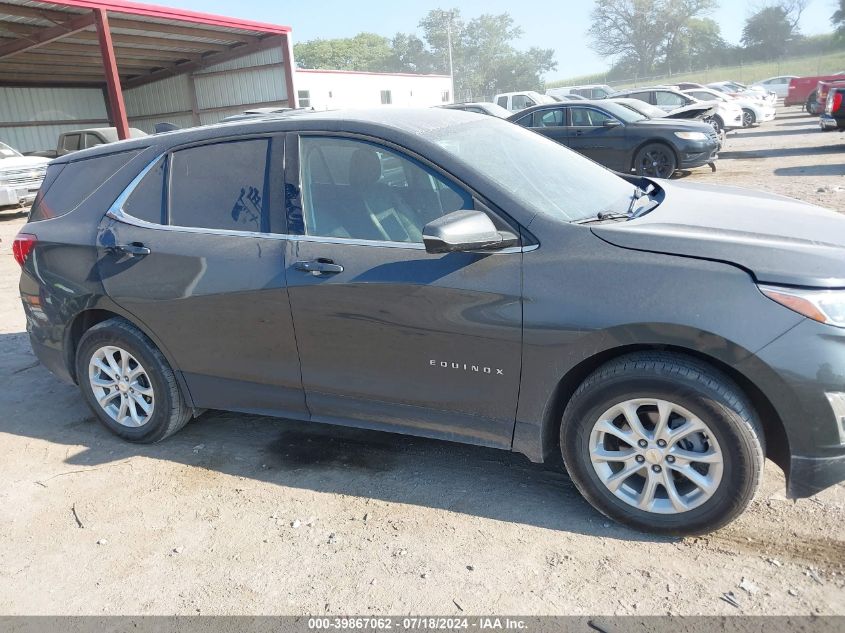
(455, 276)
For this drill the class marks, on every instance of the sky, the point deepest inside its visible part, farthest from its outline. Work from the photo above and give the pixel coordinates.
(560, 25)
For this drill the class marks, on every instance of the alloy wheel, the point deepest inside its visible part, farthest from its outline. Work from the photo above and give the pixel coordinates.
(747, 118)
(656, 456)
(121, 386)
(656, 163)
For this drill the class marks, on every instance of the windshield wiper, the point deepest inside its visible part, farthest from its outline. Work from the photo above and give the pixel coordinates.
(630, 214)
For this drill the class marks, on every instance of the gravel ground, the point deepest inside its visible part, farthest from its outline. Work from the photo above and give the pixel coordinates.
(246, 515)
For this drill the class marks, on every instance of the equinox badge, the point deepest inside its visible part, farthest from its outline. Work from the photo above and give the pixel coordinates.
(479, 369)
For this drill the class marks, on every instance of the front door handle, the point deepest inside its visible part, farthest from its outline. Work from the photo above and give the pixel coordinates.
(319, 267)
(133, 250)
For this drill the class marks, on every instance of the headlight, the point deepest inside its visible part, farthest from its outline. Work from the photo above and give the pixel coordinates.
(824, 306)
(692, 136)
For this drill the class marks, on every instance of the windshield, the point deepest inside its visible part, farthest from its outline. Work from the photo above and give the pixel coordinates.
(545, 176)
(7, 152)
(497, 110)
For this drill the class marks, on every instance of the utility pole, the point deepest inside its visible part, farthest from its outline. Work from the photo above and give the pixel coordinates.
(451, 68)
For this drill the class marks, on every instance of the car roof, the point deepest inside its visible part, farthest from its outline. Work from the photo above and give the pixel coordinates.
(390, 122)
(109, 133)
(604, 104)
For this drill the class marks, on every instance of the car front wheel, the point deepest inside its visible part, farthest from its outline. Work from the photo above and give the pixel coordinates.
(663, 443)
(748, 117)
(655, 160)
(128, 383)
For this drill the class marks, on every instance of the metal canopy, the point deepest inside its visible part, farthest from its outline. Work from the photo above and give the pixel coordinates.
(118, 45)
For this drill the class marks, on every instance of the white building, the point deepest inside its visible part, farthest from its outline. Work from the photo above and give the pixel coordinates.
(331, 89)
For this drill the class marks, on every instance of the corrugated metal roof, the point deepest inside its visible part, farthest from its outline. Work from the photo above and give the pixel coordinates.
(169, 31)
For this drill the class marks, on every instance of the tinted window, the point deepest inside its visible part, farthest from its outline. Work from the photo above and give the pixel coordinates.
(147, 200)
(503, 102)
(642, 96)
(549, 118)
(354, 189)
(92, 140)
(66, 186)
(219, 186)
(521, 101)
(71, 142)
(587, 117)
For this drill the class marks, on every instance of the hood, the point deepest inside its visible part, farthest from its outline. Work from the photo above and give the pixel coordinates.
(778, 240)
(693, 125)
(22, 162)
(694, 111)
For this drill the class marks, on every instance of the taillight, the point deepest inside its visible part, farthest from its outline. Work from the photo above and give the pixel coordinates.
(837, 101)
(21, 247)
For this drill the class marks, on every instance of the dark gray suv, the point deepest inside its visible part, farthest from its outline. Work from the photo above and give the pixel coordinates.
(451, 275)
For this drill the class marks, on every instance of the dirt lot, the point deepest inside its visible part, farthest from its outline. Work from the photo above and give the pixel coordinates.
(240, 514)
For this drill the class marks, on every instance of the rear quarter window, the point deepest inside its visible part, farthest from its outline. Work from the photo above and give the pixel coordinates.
(147, 199)
(67, 185)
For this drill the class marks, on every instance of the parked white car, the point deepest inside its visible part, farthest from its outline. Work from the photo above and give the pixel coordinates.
(20, 177)
(778, 85)
(754, 111)
(590, 91)
(736, 89)
(728, 115)
(516, 101)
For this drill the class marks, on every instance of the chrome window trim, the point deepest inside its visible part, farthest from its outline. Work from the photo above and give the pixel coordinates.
(117, 213)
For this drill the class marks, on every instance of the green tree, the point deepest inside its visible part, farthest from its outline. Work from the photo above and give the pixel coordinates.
(644, 35)
(838, 18)
(483, 56)
(365, 51)
(768, 33)
(699, 44)
(410, 54)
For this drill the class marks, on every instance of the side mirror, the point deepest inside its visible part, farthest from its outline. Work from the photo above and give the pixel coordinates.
(611, 123)
(465, 231)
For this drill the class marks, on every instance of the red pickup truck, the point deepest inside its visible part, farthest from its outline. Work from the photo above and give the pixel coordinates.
(802, 90)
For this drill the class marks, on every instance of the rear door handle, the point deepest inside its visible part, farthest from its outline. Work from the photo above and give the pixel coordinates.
(319, 267)
(133, 250)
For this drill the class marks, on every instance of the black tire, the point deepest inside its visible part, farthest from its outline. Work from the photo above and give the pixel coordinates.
(169, 413)
(748, 117)
(716, 122)
(655, 160)
(702, 390)
(810, 105)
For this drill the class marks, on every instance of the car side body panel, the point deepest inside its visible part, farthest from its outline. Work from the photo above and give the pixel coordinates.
(624, 313)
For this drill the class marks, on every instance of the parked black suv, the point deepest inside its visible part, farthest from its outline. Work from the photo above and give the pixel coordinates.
(455, 276)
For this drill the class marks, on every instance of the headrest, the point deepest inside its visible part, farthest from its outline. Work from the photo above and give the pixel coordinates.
(365, 167)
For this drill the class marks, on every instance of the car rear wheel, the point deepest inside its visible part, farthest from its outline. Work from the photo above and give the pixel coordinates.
(128, 383)
(655, 160)
(748, 117)
(663, 443)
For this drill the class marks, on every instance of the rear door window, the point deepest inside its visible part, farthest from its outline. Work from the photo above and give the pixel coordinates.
(663, 98)
(549, 118)
(220, 186)
(92, 140)
(71, 142)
